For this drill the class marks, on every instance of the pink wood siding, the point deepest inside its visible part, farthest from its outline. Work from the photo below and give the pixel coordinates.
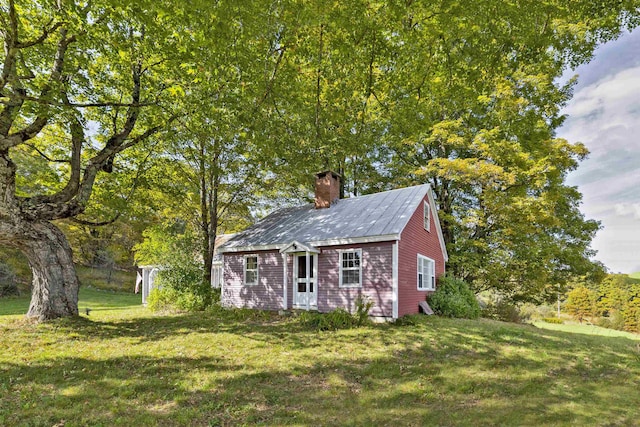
(416, 240)
(266, 295)
(376, 279)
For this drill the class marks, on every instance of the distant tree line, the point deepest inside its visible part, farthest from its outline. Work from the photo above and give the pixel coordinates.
(612, 303)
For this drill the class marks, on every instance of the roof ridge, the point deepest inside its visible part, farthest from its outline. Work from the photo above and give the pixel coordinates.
(384, 192)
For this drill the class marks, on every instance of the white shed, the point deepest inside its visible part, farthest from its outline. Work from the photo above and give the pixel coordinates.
(147, 280)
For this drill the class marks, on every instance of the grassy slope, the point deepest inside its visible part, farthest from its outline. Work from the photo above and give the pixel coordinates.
(122, 366)
(635, 275)
(103, 278)
(586, 329)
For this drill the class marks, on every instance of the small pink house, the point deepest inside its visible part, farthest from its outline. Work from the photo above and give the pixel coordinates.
(386, 246)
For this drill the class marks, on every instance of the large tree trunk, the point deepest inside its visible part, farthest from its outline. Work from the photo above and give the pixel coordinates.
(55, 283)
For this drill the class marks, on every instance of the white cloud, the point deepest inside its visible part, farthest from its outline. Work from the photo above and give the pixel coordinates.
(605, 116)
(628, 209)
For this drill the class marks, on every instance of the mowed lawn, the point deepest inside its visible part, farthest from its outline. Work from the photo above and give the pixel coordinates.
(122, 365)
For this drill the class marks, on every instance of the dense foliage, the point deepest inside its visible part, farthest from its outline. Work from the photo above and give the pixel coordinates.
(338, 318)
(612, 303)
(503, 310)
(453, 298)
(581, 303)
(180, 284)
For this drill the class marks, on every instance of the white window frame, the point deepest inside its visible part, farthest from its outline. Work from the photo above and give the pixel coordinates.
(429, 274)
(341, 253)
(427, 216)
(245, 270)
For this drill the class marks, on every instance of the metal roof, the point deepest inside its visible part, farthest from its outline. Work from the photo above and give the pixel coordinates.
(370, 216)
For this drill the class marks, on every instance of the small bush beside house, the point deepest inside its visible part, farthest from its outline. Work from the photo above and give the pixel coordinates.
(179, 284)
(454, 298)
(338, 318)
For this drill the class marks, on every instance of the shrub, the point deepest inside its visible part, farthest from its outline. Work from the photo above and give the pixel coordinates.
(338, 318)
(531, 311)
(363, 306)
(161, 299)
(409, 320)
(8, 285)
(631, 315)
(181, 280)
(332, 321)
(180, 287)
(216, 295)
(617, 320)
(555, 320)
(502, 310)
(453, 298)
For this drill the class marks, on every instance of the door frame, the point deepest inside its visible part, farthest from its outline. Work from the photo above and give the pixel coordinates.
(310, 300)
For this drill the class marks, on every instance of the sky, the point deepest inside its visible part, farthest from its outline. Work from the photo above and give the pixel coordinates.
(604, 114)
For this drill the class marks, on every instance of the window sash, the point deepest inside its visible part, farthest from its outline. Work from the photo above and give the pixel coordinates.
(426, 273)
(427, 216)
(351, 268)
(251, 270)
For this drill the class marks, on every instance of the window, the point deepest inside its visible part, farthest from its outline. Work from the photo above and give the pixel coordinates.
(351, 268)
(427, 216)
(426, 274)
(251, 270)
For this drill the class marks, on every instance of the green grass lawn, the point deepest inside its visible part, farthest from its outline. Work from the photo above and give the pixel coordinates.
(635, 275)
(124, 366)
(122, 304)
(586, 329)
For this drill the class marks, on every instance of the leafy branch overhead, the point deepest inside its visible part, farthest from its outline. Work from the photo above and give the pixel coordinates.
(79, 85)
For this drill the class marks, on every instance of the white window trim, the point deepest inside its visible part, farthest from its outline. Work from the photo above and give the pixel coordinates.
(244, 270)
(426, 216)
(431, 280)
(350, 285)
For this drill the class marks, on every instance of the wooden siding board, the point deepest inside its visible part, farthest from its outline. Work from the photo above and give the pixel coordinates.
(266, 295)
(376, 279)
(416, 240)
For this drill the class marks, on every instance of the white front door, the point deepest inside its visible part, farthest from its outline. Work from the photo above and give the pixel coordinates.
(305, 292)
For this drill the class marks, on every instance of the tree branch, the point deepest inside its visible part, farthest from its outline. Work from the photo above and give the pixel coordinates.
(45, 34)
(10, 40)
(40, 122)
(82, 104)
(44, 156)
(96, 224)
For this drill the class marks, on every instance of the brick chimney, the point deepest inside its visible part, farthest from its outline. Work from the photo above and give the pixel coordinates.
(327, 189)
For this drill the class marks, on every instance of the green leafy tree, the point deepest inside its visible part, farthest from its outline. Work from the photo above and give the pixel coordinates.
(208, 167)
(462, 96)
(80, 84)
(474, 113)
(581, 303)
(613, 293)
(631, 310)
